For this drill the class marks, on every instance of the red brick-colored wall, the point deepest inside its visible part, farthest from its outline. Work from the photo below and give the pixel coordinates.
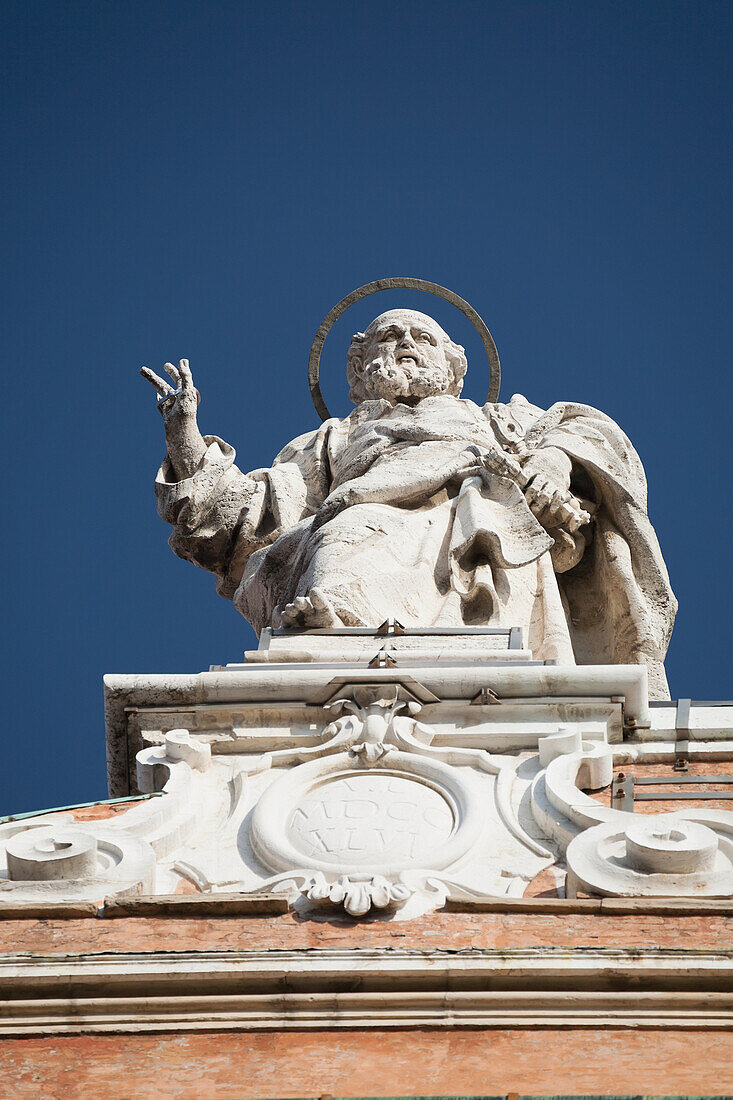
(219, 1065)
(433, 931)
(223, 1066)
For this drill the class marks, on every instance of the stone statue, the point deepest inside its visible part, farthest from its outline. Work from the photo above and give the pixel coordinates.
(424, 507)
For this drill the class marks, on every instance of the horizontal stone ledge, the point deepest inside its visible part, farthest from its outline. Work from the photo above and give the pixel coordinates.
(328, 1022)
(377, 974)
(667, 907)
(148, 905)
(195, 905)
(663, 907)
(307, 683)
(444, 1010)
(525, 905)
(241, 904)
(47, 910)
(238, 904)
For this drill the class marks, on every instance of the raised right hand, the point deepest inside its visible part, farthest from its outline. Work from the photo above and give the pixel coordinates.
(186, 446)
(176, 406)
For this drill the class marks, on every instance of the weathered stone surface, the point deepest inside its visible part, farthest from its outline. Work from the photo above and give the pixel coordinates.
(425, 507)
(422, 720)
(389, 790)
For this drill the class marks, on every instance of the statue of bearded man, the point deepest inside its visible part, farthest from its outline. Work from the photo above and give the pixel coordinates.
(424, 507)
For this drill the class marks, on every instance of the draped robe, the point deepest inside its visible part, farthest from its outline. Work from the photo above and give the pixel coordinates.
(360, 509)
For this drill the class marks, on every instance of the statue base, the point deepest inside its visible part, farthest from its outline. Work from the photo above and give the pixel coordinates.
(390, 772)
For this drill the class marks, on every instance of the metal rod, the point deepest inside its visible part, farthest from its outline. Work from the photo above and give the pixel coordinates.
(653, 780)
(674, 796)
(623, 791)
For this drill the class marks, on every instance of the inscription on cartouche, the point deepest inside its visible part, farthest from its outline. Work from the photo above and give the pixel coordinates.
(367, 818)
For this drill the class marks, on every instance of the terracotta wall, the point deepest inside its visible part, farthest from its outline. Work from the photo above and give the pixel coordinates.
(432, 931)
(426, 1062)
(223, 1066)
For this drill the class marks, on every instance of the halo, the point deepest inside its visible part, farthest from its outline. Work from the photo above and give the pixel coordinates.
(398, 282)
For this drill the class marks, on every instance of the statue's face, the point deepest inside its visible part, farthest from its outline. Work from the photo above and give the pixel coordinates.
(404, 357)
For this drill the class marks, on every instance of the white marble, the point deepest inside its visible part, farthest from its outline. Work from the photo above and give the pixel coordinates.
(667, 855)
(382, 790)
(413, 728)
(424, 507)
(52, 853)
(345, 988)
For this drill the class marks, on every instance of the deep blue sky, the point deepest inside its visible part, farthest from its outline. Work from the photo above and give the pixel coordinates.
(205, 179)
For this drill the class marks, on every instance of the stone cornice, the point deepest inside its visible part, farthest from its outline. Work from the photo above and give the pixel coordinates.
(224, 905)
(314, 684)
(365, 987)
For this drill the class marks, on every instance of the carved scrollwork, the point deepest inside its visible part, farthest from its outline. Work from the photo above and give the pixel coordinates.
(665, 855)
(75, 861)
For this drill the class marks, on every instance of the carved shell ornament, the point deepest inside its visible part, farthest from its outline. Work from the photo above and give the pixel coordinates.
(398, 282)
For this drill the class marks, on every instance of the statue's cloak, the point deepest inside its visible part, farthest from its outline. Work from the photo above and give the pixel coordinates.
(368, 510)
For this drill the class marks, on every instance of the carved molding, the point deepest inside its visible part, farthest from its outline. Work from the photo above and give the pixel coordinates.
(365, 988)
(379, 802)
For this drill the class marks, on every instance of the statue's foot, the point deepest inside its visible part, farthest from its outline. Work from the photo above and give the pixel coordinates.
(309, 613)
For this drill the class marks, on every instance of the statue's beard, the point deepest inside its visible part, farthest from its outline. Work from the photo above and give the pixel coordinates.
(405, 379)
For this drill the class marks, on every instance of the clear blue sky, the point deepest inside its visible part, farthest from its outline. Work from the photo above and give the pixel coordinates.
(205, 179)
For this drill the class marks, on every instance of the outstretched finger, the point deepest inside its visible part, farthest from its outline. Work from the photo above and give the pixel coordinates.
(173, 372)
(186, 376)
(160, 384)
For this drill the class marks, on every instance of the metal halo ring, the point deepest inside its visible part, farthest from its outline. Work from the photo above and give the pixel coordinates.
(398, 282)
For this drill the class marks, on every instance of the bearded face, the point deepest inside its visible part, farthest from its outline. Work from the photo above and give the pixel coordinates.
(404, 357)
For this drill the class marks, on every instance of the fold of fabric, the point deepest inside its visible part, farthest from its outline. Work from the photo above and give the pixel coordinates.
(368, 508)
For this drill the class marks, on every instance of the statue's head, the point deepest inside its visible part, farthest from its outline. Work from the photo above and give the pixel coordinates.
(404, 356)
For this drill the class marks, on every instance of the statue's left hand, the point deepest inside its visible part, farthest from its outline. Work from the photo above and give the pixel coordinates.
(556, 508)
(548, 490)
